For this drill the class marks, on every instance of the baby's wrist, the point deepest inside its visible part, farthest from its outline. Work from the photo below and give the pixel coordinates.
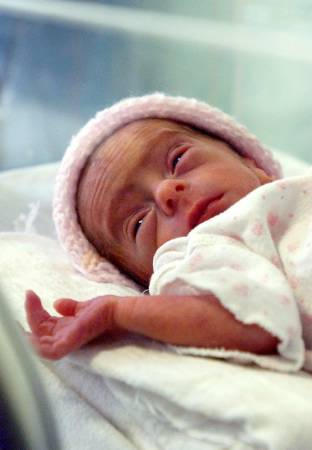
(123, 314)
(101, 314)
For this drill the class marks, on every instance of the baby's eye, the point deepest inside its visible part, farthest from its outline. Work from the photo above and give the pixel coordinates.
(175, 160)
(137, 225)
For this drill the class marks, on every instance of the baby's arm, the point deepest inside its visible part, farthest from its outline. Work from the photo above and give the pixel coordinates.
(197, 321)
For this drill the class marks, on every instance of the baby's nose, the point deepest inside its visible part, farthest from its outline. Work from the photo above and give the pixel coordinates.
(168, 195)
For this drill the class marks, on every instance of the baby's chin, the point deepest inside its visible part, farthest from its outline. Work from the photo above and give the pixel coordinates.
(140, 276)
(141, 279)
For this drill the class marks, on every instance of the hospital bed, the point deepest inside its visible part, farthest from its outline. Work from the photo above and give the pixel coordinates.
(128, 394)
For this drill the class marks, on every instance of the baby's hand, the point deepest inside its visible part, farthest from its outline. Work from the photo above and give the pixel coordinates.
(54, 337)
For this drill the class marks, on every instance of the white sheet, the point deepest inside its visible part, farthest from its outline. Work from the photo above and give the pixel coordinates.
(136, 393)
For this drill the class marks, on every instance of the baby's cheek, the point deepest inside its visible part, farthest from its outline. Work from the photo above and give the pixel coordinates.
(139, 265)
(170, 228)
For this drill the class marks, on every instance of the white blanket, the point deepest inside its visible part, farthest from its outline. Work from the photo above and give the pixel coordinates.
(137, 394)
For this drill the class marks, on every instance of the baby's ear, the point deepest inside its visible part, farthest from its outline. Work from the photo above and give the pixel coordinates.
(261, 174)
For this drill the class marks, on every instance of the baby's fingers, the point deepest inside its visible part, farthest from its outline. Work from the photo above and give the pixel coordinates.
(36, 315)
(47, 350)
(47, 346)
(51, 347)
(66, 306)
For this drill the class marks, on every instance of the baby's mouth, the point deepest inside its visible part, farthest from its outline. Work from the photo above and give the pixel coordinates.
(204, 210)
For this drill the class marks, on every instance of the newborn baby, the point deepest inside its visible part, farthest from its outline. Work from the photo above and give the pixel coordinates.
(143, 193)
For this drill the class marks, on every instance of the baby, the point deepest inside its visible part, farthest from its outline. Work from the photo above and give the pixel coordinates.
(182, 199)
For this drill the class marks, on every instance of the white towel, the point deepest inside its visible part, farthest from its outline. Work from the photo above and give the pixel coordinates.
(138, 394)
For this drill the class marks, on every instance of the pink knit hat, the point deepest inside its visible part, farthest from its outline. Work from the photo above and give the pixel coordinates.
(82, 253)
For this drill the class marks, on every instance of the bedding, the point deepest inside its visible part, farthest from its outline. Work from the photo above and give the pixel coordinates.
(136, 393)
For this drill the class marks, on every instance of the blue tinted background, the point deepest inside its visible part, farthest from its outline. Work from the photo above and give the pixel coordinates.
(55, 75)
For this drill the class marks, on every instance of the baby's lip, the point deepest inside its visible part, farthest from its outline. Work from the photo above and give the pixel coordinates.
(204, 210)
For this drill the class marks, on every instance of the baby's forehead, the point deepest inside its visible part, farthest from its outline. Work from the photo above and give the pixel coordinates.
(120, 156)
(126, 147)
(138, 136)
(151, 127)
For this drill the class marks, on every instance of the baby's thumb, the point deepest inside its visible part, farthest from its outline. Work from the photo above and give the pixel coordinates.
(66, 306)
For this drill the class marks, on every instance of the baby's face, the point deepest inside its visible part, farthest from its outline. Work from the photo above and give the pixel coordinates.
(155, 180)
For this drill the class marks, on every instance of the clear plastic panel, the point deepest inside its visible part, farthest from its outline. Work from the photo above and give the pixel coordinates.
(61, 61)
